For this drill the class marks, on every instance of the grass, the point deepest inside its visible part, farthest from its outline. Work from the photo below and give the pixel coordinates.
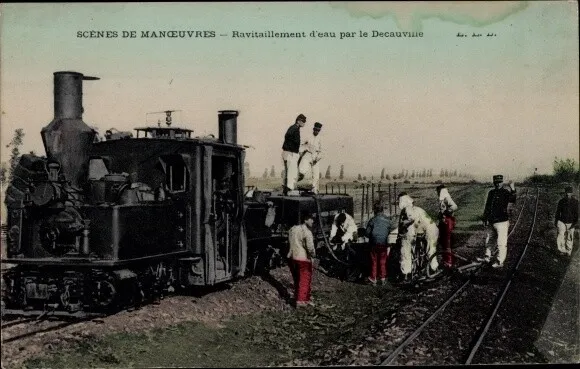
(186, 344)
(471, 205)
(256, 340)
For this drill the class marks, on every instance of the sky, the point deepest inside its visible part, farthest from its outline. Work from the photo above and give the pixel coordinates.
(506, 104)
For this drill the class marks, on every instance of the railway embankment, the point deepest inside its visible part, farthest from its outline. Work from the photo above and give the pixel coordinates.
(559, 341)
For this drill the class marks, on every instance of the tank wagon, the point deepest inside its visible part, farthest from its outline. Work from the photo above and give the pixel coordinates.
(96, 226)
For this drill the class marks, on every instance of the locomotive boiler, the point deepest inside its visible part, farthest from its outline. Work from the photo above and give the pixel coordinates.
(100, 225)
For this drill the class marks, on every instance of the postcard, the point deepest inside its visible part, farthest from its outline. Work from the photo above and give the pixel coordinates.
(190, 182)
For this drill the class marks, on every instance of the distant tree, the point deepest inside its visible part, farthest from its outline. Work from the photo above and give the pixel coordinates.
(272, 172)
(455, 173)
(566, 169)
(15, 143)
(247, 169)
(364, 178)
(359, 177)
(394, 177)
(265, 175)
(406, 173)
(383, 173)
(319, 175)
(327, 175)
(413, 174)
(442, 173)
(430, 172)
(387, 177)
(446, 173)
(3, 174)
(341, 176)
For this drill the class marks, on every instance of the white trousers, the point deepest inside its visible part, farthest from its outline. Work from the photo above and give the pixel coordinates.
(431, 235)
(290, 169)
(406, 252)
(432, 239)
(307, 169)
(565, 238)
(496, 236)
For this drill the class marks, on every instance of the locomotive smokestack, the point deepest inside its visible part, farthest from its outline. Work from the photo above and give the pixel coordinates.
(67, 139)
(228, 126)
(68, 95)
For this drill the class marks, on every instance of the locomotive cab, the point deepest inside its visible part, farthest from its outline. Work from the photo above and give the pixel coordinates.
(194, 205)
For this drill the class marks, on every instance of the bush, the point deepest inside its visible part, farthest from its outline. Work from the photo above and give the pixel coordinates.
(565, 170)
(540, 179)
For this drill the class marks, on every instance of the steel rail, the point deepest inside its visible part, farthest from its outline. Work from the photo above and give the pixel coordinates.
(44, 330)
(506, 287)
(442, 307)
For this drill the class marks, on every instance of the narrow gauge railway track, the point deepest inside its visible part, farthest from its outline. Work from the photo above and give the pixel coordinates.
(17, 321)
(465, 354)
(35, 329)
(23, 327)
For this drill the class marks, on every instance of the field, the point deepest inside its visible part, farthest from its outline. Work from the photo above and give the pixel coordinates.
(250, 322)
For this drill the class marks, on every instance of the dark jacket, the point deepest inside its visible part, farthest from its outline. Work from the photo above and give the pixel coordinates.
(378, 229)
(292, 139)
(567, 211)
(497, 204)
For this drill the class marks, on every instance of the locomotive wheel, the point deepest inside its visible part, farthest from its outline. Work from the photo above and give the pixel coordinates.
(104, 293)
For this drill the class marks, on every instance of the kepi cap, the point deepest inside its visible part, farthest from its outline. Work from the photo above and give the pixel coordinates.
(497, 178)
(317, 125)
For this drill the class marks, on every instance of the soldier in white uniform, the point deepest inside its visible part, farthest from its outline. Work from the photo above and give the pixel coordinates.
(415, 220)
(311, 154)
(343, 230)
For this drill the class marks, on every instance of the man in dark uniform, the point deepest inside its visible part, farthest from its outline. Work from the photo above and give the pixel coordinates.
(496, 218)
(290, 155)
(566, 221)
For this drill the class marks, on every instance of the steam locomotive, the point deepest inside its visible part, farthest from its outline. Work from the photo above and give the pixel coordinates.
(96, 226)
